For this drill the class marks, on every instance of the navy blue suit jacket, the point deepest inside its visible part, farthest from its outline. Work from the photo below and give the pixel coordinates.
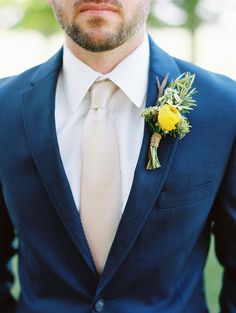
(157, 258)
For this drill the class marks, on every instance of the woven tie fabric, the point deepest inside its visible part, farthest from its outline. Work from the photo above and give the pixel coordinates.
(100, 201)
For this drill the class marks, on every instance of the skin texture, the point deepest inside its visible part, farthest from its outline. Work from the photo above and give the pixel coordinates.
(102, 32)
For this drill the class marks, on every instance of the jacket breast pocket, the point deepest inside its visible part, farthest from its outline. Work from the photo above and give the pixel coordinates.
(184, 196)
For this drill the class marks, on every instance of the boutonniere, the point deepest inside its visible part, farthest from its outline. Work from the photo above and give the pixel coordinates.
(167, 116)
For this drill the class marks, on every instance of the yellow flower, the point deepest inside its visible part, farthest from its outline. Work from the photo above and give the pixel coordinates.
(168, 117)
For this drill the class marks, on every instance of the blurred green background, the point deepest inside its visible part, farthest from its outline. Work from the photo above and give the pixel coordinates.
(202, 31)
(187, 14)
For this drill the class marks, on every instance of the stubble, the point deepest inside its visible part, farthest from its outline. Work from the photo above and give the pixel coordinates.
(107, 40)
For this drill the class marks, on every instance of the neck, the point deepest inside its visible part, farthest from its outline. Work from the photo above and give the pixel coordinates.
(104, 62)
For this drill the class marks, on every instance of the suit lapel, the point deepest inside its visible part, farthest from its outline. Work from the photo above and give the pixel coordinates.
(146, 184)
(38, 115)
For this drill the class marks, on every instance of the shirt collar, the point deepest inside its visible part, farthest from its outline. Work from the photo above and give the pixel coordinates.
(78, 77)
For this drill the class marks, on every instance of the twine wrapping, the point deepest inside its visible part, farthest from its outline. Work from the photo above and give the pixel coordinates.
(155, 140)
(153, 161)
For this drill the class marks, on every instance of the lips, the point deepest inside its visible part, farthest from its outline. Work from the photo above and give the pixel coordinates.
(97, 8)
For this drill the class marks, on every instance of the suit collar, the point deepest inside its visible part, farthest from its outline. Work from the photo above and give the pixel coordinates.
(161, 63)
(49, 69)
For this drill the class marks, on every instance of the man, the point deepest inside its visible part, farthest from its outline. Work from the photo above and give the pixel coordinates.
(97, 231)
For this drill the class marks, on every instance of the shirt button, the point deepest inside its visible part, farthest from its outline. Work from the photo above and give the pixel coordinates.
(99, 305)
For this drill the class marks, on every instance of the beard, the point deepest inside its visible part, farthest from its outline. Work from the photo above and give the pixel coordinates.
(108, 39)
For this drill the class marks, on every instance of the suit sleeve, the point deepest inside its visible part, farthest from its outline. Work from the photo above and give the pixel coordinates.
(7, 302)
(225, 235)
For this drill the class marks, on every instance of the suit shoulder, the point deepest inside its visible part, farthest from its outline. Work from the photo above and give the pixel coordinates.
(217, 84)
(12, 85)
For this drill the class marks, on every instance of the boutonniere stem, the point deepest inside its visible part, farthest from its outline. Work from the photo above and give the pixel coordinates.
(167, 116)
(153, 161)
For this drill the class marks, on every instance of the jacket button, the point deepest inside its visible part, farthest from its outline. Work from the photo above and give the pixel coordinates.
(99, 305)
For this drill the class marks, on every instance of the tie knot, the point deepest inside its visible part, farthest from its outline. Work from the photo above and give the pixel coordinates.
(101, 93)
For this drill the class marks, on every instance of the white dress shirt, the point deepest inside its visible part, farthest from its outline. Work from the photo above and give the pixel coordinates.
(73, 102)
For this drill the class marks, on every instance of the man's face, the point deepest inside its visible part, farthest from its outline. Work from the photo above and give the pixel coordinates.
(101, 25)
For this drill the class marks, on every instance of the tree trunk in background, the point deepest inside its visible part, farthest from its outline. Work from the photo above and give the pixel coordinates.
(193, 43)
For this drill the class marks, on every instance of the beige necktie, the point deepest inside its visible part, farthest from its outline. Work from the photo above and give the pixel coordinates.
(100, 175)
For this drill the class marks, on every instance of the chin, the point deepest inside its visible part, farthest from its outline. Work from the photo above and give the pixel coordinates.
(99, 34)
(98, 22)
